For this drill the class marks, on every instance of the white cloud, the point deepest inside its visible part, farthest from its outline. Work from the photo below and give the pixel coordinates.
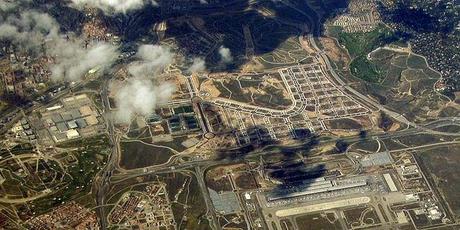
(38, 32)
(28, 30)
(73, 61)
(112, 6)
(198, 65)
(9, 5)
(225, 55)
(154, 3)
(143, 92)
(140, 97)
(153, 59)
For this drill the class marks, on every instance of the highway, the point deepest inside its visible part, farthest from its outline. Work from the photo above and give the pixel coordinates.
(396, 116)
(101, 185)
(176, 165)
(107, 177)
(20, 112)
(325, 60)
(298, 82)
(211, 212)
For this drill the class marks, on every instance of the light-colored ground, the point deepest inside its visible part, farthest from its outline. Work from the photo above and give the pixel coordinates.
(333, 51)
(323, 206)
(252, 66)
(210, 88)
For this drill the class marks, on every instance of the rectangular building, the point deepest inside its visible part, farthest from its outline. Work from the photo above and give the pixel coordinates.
(390, 182)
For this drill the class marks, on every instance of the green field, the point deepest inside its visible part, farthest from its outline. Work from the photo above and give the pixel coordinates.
(136, 154)
(188, 205)
(366, 70)
(366, 145)
(344, 123)
(361, 217)
(359, 45)
(318, 221)
(90, 155)
(416, 62)
(401, 80)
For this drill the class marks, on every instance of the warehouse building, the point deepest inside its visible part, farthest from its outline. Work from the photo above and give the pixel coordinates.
(317, 186)
(72, 118)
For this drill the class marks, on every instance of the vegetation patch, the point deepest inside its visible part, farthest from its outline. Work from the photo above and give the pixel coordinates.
(359, 45)
(318, 221)
(137, 154)
(442, 169)
(88, 157)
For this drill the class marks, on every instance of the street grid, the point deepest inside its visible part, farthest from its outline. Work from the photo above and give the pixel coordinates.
(315, 99)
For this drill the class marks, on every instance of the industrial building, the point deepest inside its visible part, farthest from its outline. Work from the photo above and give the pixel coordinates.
(319, 185)
(71, 118)
(23, 130)
(390, 182)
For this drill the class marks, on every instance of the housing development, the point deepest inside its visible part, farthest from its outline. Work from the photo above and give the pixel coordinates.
(236, 114)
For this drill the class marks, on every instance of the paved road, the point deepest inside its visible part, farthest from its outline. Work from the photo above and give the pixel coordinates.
(105, 178)
(212, 217)
(398, 117)
(101, 186)
(322, 56)
(20, 112)
(176, 165)
(199, 166)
